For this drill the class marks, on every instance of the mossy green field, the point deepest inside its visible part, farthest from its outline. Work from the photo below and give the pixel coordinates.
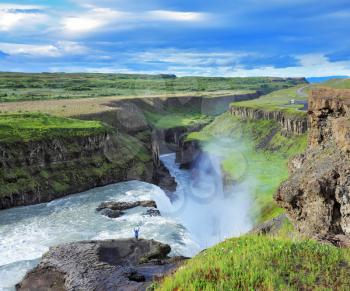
(246, 153)
(337, 83)
(36, 126)
(264, 263)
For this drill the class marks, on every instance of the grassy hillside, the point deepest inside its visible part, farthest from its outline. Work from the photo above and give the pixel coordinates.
(35, 126)
(254, 150)
(337, 83)
(173, 119)
(87, 162)
(176, 116)
(20, 86)
(264, 263)
(279, 100)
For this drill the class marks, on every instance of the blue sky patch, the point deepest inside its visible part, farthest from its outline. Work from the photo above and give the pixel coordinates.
(218, 38)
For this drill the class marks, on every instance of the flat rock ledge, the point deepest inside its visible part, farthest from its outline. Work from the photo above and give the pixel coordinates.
(108, 265)
(115, 205)
(114, 209)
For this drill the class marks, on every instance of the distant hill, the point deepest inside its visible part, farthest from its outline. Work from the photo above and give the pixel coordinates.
(338, 83)
(324, 79)
(25, 86)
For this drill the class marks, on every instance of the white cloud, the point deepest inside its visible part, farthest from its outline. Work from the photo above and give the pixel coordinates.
(29, 49)
(92, 20)
(88, 19)
(191, 58)
(311, 65)
(96, 19)
(229, 64)
(166, 15)
(24, 17)
(81, 24)
(59, 49)
(71, 48)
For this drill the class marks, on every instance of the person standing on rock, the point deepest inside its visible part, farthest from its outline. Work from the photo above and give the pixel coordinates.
(136, 232)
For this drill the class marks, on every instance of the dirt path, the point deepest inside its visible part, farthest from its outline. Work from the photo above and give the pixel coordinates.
(301, 91)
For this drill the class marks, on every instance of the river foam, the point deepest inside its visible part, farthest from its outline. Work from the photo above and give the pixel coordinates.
(210, 211)
(202, 214)
(28, 232)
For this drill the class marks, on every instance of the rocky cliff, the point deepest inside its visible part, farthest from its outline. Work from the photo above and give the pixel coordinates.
(40, 171)
(128, 117)
(317, 194)
(219, 105)
(296, 124)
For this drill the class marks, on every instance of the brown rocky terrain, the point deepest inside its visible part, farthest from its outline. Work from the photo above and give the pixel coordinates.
(317, 194)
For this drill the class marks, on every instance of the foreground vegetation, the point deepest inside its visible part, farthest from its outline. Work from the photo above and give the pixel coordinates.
(264, 263)
(36, 126)
(21, 86)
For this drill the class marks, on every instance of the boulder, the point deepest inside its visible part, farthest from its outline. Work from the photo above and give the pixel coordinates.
(120, 206)
(125, 264)
(152, 212)
(270, 227)
(111, 213)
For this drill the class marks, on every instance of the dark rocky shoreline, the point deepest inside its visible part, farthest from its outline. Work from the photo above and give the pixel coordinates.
(108, 265)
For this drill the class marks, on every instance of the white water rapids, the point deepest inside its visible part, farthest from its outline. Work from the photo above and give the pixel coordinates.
(195, 220)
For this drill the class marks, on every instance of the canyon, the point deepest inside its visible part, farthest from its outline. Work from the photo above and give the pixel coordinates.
(128, 149)
(314, 197)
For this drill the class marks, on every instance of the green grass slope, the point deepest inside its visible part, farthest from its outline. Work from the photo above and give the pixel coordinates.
(264, 263)
(87, 162)
(36, 126)
(176, 116)
(255, 150)
(337, 83)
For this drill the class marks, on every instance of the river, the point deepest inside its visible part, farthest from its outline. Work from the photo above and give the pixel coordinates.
(194, 221)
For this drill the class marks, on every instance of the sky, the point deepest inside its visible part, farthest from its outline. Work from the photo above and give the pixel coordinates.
(286, 38)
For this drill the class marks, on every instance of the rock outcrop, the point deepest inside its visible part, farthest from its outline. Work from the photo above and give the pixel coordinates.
(40, 171)
(219, 105)
(174, 140)
(115, 205)
(127, 117)
(115, 209)
(188, 153)
(125, 264)
(296, 124)
(317, 194)
(270, 227)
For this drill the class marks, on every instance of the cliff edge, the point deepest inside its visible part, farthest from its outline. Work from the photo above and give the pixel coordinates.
(317, 194)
